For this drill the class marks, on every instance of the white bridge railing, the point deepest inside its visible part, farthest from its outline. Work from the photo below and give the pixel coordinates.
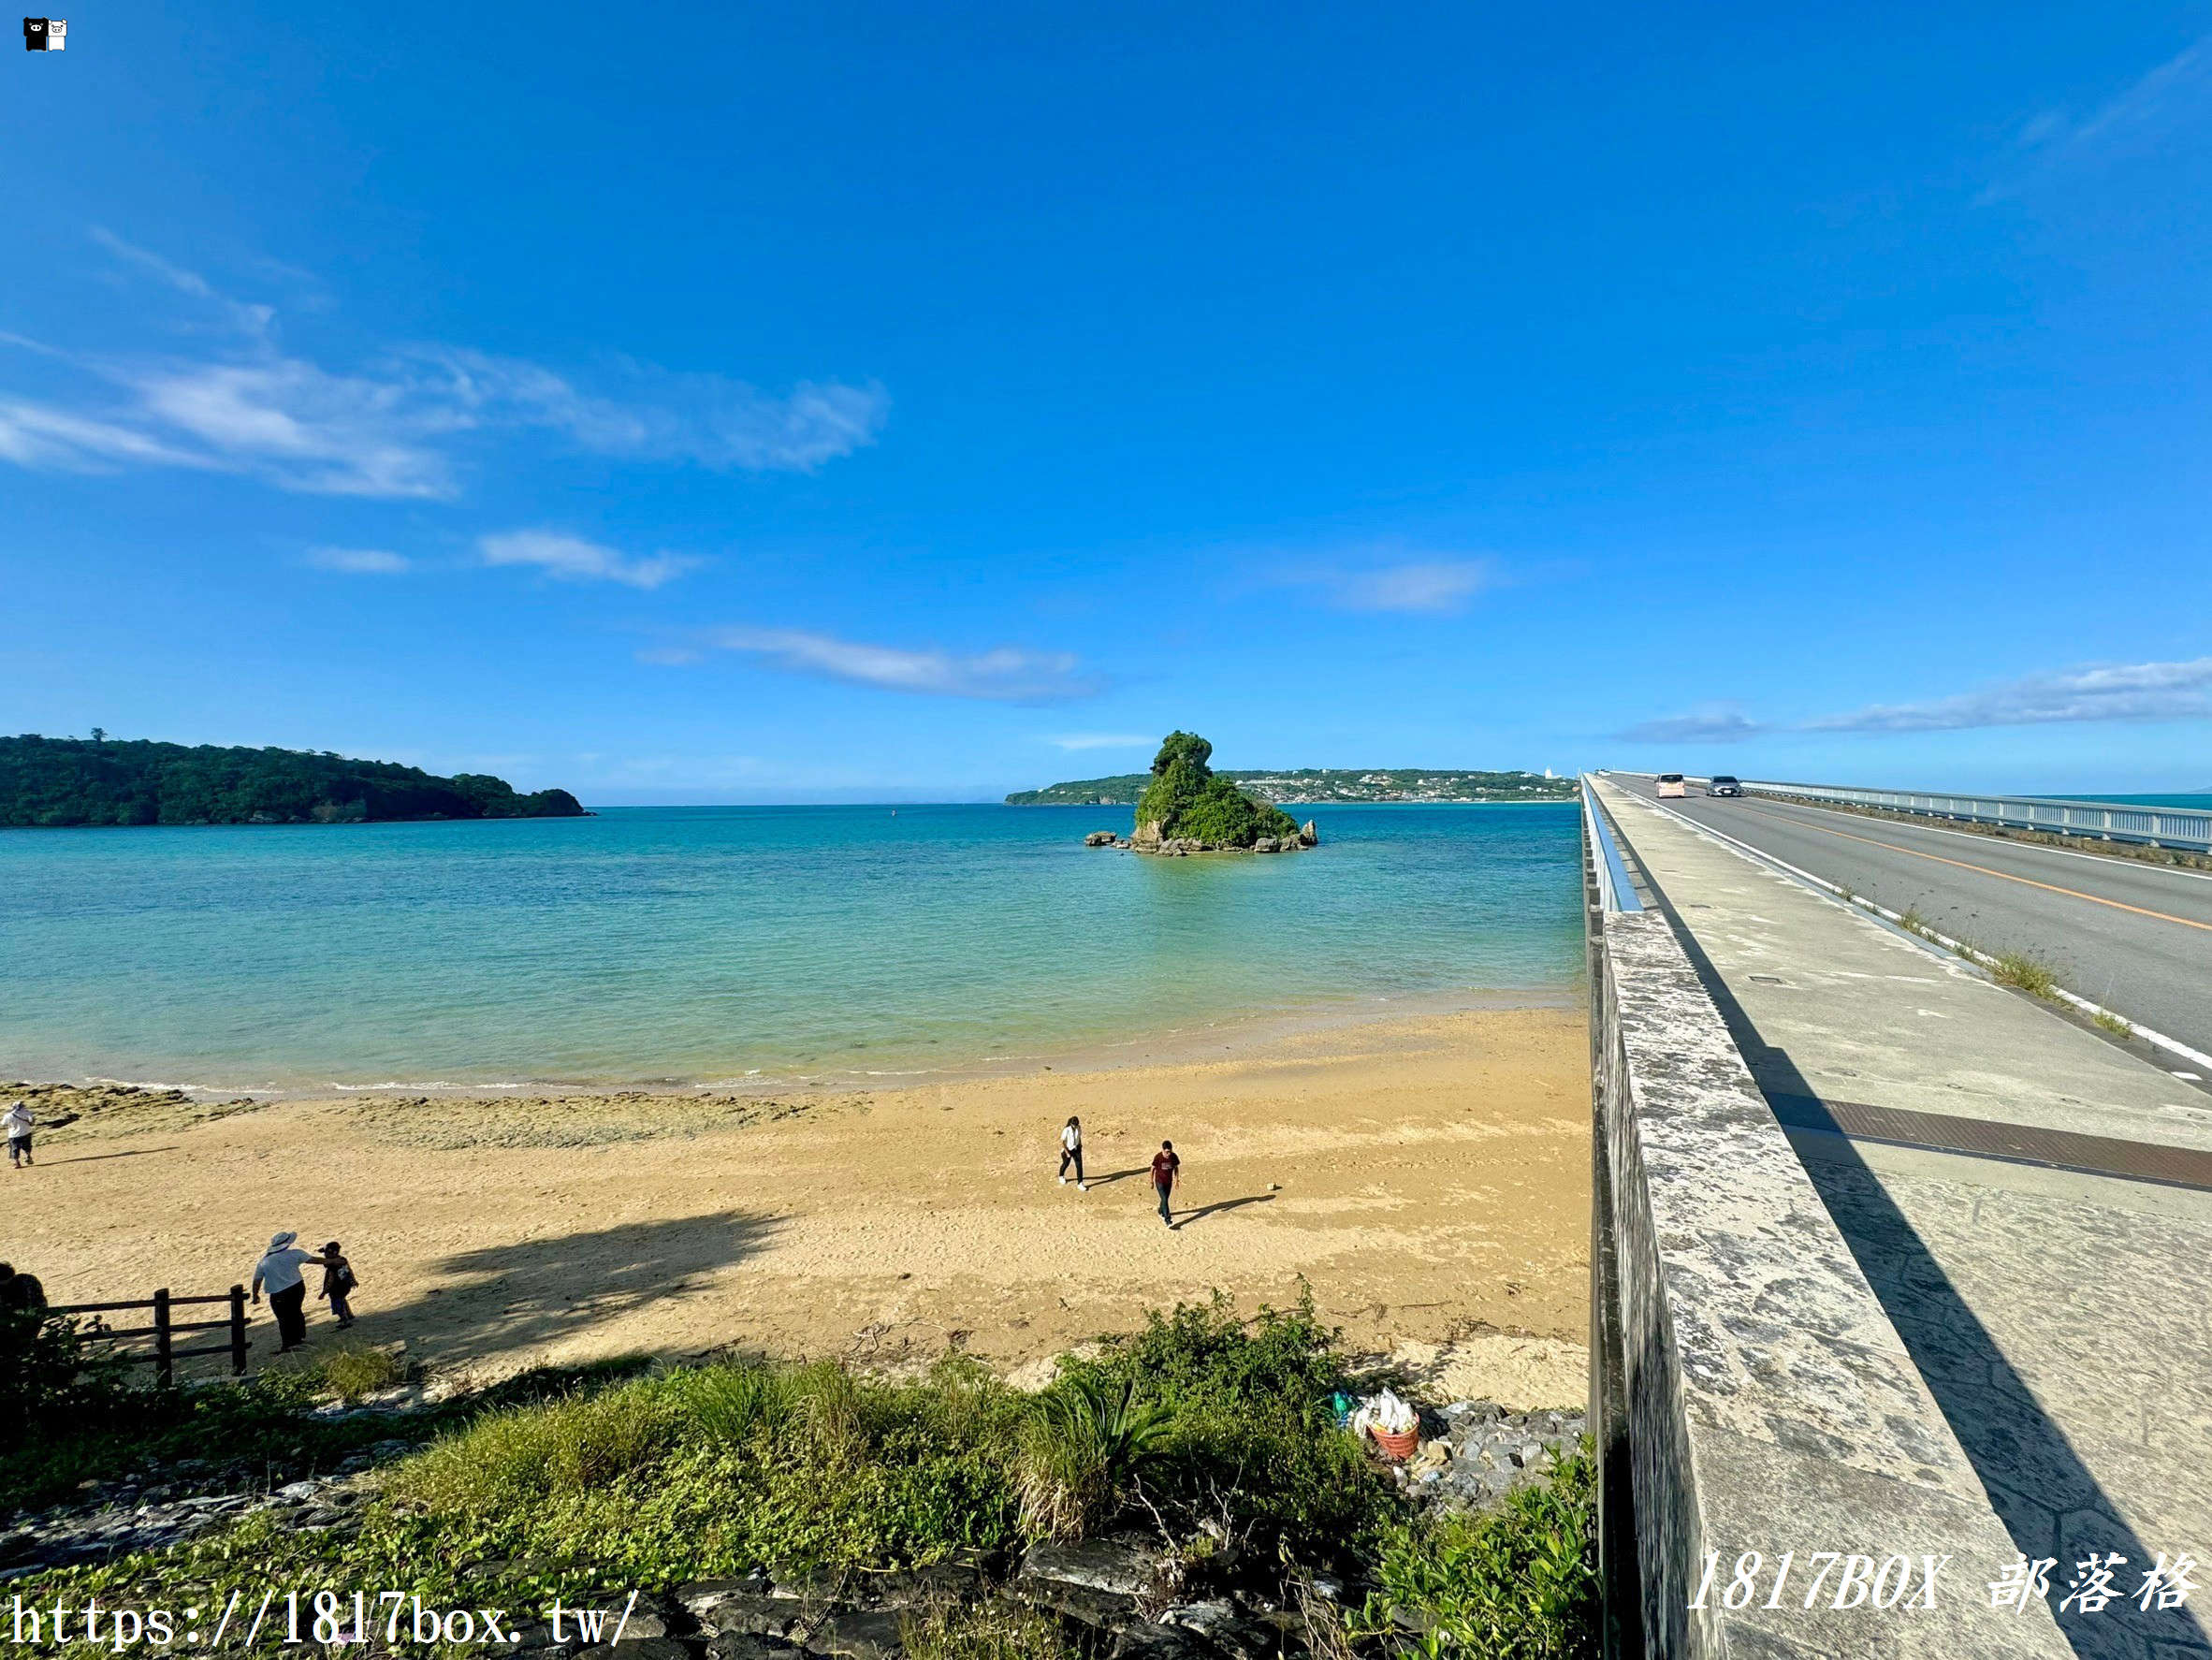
(2189, 828)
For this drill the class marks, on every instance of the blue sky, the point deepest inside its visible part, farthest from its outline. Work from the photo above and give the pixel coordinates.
(720, 404)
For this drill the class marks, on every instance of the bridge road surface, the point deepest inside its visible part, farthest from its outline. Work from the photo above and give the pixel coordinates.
(1965, 1139)
(2133, 936)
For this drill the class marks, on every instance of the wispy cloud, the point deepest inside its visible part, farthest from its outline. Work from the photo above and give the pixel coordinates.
(1102, 740)
(246, 319)
(1432, 586)
(1005, 675)
(2139, 120)
(2117, 691)
(393, 428)
(573, 560)
(1709, 723)
(358, 561)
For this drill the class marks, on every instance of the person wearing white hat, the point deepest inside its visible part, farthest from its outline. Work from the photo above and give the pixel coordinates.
(279, 1271)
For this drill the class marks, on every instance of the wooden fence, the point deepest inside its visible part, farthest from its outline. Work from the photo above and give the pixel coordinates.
(166, 1328)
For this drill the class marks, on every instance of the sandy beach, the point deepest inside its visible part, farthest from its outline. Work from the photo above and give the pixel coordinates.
(1428, 1177)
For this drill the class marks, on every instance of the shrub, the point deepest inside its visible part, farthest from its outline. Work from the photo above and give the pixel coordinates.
(1086, 1439)
(1517, 1583)
(56, 1375)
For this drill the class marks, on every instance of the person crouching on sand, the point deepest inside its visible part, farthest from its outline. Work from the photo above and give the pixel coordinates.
(1071, 1153)
(337, 1284)
(279, 1269)
(1166, 1171)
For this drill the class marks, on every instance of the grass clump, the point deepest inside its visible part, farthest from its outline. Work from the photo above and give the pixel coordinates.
(354, 1372)
(986, 1631)
(2022, 972)
(1518, 1582)
(2112, 1024)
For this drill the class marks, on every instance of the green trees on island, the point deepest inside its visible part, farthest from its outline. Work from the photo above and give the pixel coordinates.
(1187, 798)
(52, 782)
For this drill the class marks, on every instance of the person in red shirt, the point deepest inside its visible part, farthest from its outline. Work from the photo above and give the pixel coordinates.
(1166, 1170)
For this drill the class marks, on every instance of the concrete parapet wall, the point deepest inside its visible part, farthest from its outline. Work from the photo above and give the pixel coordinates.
(1759, 1398)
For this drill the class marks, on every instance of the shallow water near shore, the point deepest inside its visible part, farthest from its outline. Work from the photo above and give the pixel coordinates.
(741, 946)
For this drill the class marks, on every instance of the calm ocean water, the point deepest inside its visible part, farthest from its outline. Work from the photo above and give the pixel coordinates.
(719, 943)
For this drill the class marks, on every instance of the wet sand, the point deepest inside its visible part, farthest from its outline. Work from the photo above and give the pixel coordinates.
(1428, 1177)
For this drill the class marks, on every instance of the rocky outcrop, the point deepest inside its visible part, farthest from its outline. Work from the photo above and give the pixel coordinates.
(1100, 839)
(1309, 834)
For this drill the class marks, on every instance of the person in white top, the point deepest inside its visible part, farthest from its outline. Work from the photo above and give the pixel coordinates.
(1071, 1153)
(19, 1125)
(279, 1273)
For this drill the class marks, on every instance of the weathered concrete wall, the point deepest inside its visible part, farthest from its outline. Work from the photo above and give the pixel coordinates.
(1770, 1406)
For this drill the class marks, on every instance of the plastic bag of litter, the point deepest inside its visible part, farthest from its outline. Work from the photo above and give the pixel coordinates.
(1385, 1412)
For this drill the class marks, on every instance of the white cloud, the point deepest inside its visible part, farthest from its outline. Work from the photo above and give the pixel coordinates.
(393, 428)
(358, 561)
(39, 436)
(1102, 740)
(1006, 675)
(246, 319)
(2117, 691)
(573, 560)
(2142, 118)
(703, 419)
(1431, 585)
(1711, 723)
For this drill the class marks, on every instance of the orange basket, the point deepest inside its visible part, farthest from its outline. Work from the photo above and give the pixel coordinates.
(1397, 1445)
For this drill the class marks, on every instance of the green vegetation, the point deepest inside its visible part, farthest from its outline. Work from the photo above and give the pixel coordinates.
(1517, 1583)
(993, 1631)
(1208, 1432)
(1321, 785)
(49, 781)
(2023, 972)
(2112, 1024)
(352, 1373)
(1188, 798)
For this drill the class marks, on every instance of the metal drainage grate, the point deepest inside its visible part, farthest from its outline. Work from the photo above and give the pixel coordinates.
(1985, 1138)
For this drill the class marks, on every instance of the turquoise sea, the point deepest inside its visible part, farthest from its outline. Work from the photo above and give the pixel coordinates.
(719, 944)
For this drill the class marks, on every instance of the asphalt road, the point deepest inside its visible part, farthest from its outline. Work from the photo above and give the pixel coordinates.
(2135, 937)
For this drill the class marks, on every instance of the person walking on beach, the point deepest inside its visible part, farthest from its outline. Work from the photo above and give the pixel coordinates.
(337, 1284)
(19, 1125)
(1166, 1171)
(1071, 1153)
(279, 1269)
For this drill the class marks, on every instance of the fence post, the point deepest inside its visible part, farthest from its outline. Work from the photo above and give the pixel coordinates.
(238, 1331)
(163, 1367)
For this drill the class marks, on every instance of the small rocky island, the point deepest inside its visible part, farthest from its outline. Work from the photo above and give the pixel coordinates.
(1188, 807)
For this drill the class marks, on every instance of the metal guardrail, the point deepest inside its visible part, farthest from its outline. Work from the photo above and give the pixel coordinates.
(2187, 828)
(1615, 891)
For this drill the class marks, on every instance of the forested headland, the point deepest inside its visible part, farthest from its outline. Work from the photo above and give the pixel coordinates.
(58, 782)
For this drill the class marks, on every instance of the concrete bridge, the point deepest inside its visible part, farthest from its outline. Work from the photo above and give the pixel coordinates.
(1902, 1277)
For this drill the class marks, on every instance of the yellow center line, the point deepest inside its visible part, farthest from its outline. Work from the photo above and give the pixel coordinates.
(2002, 875)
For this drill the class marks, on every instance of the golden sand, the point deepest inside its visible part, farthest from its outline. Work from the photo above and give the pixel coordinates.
(1428, 1177)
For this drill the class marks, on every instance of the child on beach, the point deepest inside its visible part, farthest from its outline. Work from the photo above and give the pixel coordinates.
(1071, 1152)
(1166, 1170)
(337, 1284)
